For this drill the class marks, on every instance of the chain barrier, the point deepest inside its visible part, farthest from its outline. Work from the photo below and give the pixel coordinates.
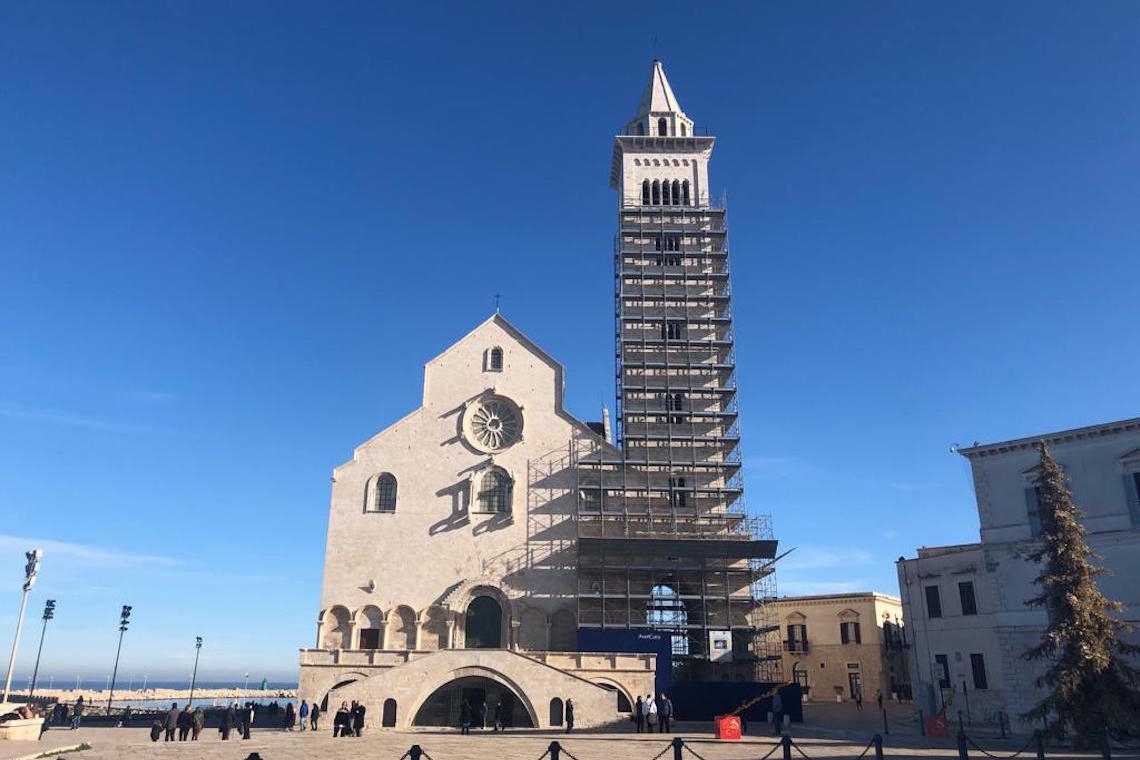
(565, 753)
(772, 751)
(974, 744)
(668, 747)
(692, 751)
(866, 750)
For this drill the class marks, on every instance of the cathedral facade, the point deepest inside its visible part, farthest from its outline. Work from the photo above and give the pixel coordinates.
(489, 549)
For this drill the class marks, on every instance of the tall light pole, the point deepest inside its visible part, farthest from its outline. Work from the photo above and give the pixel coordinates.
(247, 682)
(124, 621)
(49, 613)
(30, 571)
(144, 683)
(194, 677)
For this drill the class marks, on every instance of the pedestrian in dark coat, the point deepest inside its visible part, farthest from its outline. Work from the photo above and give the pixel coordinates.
(229, 718)
(342, 720)
(170, 723)
(290, 717)
(465, 717)
(778, 713)
(639, 715)
(199, 720)
(185, 721)
(664, 713)
(483, 714)
(314, 715)
(498, 715)
(358, 720)
(569, 715)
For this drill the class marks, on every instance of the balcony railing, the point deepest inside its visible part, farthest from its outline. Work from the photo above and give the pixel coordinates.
(793, 645)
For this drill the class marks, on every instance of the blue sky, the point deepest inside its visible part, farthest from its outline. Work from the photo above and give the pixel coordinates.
(231, 234)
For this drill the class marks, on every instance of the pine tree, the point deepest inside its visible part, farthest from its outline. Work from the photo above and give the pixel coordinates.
(1091, 683)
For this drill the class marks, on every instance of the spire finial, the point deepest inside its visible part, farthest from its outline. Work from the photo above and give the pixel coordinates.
(497, 296)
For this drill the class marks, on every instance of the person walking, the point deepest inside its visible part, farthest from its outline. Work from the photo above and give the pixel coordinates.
(77, 713)
(314, 716)
(664, 713)
(198, 720)
(483, 715)
(245, 717)
(341, 720)
(651, 713)
(639, 715)
(185, 721)
(569, 715)
(229, 717)
(465, 718)
(859, 700)
(777, 714)
(303, 714)
(170, 722)
(290, 717)
(358, 720)
(499, 715)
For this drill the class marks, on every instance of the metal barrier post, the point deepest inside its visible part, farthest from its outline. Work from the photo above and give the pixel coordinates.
(787, 742)
(963, 752)
(415, 753)
(1040, 743)
(921, 723)
(555, 749)
(886, 729)
(678, 747)
(961, 728)
(1107, 754)
(878, 740)
(1001, 723)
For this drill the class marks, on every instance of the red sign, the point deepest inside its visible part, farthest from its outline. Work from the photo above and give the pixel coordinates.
(728, 727)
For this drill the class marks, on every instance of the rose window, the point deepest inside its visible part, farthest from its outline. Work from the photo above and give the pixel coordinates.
(493, 424)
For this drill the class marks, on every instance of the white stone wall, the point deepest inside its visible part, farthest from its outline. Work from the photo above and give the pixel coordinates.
(642, 159)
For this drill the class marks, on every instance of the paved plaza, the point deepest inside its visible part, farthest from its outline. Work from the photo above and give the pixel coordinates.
(113, 744)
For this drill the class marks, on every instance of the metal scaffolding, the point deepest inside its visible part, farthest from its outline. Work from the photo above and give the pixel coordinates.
(663, 538)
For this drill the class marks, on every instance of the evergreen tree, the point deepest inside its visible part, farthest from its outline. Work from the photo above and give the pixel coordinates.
(1090, 680)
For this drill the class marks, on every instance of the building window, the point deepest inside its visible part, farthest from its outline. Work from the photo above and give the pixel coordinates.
(797, 637)
(978, 666)
(590, 499)
(676, 193)
(656, 193)
(671, 261)
(1033, 511)
(685, 193)
(645, 193)
(684, 130)
(382, 493)
(663, 127)
(933, 602)
(495, 363)
(495, 492)
(942, 670)
(1132, 495)
(672, 330)
(666, 611)
(678, 497)
(966, 594)
(670, 242)
(849, 632)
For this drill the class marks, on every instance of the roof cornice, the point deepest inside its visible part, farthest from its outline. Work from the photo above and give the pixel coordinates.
(1061, 437)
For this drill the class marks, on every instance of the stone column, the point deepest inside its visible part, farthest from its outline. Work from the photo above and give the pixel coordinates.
(546, 625)
(514, 634)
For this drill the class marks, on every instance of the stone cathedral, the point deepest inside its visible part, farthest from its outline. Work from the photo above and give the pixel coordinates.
(491, 548)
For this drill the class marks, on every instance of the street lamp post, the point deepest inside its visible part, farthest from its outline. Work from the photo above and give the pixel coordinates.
(124, 621)
(49, 613)
(246, 682)
(194, 677)
(144, 683)
(30, 571)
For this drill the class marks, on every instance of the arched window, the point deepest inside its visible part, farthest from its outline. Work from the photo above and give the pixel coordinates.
(666, 196)
(495, 492)
(663, 127)
(388, 719)
(656, 192)
(665, 611)
(495, 362)
(645, 193)
(684, 129)
(556, 712)
(381, 494)
(676, 193)
(685, 192)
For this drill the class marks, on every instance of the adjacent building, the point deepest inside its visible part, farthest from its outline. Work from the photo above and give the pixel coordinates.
(964, 605)
(839, 645)
(491, 549)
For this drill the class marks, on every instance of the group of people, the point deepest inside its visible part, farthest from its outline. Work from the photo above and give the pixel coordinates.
(304, 716)
(348, 721)
(650, 712)
(471, 716)
(184, 721)
(59, 713)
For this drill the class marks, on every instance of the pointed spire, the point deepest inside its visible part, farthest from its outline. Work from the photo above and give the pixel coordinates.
(658, 113)
(658, 96)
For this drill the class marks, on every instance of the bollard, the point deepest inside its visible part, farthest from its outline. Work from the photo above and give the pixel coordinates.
(1040, 743)
(1107, 753)
(886, 729)
(1001, 723)
(961, 728)
(878, 740)
(678, 747)
(415, 753)
(963, 753)
(787, 742)
(555, 749)
(921, 723)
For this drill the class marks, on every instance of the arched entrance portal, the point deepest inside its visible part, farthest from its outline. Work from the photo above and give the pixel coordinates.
(484, 624)
(445, 706)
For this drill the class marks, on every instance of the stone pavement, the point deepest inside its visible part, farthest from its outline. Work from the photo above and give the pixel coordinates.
(113, 744)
